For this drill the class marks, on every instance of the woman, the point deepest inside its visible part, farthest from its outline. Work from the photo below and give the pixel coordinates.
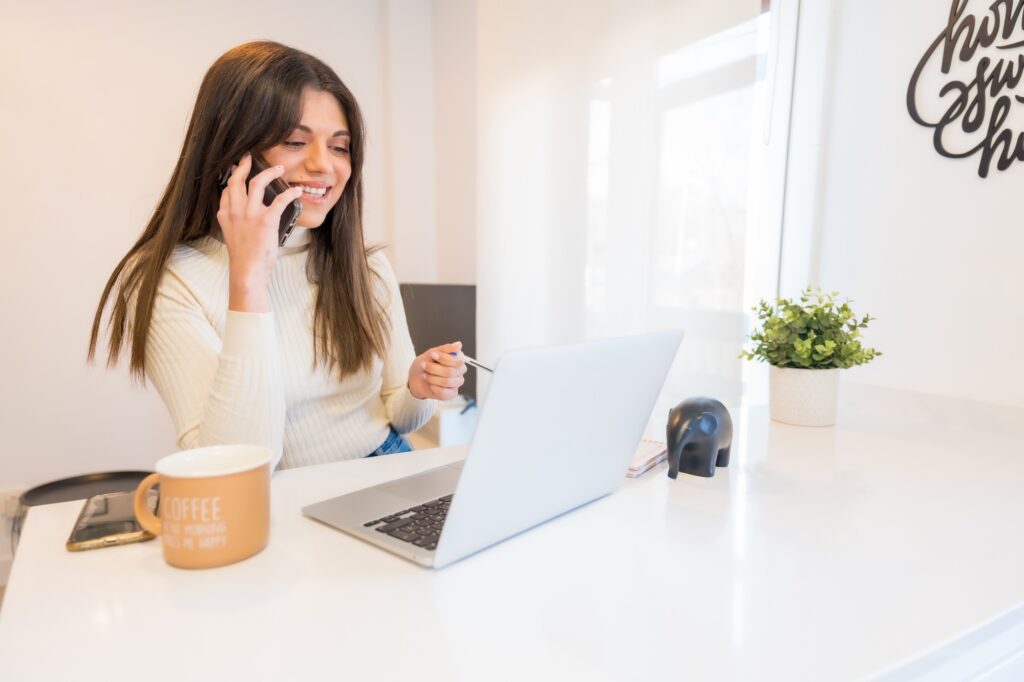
(304, 347)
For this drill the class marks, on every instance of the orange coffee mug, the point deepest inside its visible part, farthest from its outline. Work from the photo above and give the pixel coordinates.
(214, 504)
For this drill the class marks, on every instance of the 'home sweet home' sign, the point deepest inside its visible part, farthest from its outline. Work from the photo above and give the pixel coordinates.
(967, 86)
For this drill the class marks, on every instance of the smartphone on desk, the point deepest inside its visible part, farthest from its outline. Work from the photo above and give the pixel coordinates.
(108, 520)
(291, 213)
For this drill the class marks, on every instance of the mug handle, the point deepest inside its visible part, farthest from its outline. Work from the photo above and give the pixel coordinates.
(142, 513)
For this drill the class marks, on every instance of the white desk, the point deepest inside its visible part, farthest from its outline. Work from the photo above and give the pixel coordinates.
(819, 554)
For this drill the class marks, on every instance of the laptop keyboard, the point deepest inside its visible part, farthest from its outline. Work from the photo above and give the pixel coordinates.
(420, 525)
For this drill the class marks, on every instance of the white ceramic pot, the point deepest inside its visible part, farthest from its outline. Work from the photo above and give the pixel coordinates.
(805, 397)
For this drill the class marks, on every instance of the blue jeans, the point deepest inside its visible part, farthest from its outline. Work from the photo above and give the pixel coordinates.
(392, 445)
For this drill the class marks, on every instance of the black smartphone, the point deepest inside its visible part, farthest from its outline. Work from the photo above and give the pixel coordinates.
(108, 520)
(291, 212)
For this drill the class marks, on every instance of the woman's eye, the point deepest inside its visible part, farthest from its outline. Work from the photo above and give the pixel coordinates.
(292, 144)
(341, 150)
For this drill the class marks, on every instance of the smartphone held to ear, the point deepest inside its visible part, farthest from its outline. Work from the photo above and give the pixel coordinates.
(291, 212)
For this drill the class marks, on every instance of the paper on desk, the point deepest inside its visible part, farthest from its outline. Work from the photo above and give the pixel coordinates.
(648, 453)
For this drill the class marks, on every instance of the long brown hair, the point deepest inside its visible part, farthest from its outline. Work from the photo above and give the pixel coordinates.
(250, 100)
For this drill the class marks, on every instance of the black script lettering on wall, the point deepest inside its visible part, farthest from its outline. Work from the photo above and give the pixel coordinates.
(967, 86)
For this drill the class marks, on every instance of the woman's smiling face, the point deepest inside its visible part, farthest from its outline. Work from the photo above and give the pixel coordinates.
(315, 156)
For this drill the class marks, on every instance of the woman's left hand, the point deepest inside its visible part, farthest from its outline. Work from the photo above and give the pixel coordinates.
(437, 374)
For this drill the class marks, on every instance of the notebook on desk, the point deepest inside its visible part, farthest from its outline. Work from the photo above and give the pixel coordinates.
(559, 426)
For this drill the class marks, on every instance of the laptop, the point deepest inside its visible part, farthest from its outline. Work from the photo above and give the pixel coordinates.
(558, 430)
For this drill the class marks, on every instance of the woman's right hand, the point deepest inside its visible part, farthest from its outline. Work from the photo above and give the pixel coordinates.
(251, 234)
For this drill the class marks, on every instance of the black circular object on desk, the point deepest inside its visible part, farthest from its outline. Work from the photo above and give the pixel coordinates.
(73, 488)
(82, 487)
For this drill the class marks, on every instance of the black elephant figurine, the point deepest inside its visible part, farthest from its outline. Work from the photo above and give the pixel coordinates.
(699, 437)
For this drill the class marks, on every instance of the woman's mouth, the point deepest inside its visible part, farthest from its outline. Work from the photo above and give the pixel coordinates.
(313, 194)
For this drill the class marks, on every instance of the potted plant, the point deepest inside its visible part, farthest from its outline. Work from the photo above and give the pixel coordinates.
(807, 343)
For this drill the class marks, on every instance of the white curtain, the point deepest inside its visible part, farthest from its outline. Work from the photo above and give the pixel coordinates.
(625, 159)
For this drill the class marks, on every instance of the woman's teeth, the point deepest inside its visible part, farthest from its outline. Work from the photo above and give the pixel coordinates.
(312, 191)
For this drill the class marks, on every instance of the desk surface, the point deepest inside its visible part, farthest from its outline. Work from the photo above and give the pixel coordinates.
(819, 554)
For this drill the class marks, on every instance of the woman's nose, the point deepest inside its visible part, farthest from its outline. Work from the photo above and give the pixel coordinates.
(316, 158)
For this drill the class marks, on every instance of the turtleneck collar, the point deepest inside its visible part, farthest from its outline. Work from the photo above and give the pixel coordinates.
(297, 241)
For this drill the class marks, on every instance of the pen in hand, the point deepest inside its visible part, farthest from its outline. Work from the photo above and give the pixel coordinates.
(474, 363)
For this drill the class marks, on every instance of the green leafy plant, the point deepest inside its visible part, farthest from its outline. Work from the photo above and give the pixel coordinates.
(814, 333)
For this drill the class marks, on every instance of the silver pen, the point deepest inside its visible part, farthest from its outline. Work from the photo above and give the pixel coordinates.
(474, 363)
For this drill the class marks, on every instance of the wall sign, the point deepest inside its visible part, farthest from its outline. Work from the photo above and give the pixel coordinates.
(967, 86)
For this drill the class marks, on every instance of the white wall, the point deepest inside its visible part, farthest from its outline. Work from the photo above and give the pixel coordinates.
(430, 97)
(455, 116)
(916, 239)
(593, 119)
(409, 138)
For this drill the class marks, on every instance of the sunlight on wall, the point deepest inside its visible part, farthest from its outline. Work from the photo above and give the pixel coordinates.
(616, 170)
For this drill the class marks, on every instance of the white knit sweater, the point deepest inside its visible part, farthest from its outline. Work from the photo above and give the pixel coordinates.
(232, 377)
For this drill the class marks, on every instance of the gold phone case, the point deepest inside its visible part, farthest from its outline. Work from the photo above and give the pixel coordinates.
(96, 507)
(109, 541)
